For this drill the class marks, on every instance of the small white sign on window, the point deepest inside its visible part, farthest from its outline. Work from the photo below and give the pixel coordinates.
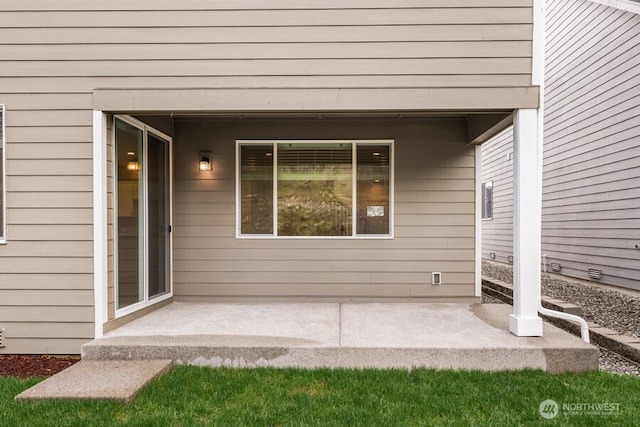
(375, 210)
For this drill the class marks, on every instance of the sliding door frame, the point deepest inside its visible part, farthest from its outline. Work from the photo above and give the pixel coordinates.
(146, 300)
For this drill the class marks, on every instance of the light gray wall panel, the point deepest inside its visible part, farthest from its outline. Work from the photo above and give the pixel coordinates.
(497, 166)
(591, 190)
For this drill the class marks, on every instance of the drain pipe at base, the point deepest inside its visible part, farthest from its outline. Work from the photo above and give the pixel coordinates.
(584, 327)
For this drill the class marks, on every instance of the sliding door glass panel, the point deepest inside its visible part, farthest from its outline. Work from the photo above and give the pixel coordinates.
(158, 214)
(130, 212)
(373, 174)
(315, 186)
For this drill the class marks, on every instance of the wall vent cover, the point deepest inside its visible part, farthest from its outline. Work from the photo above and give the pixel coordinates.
(595, 274)
(2, 338)
(555, 266)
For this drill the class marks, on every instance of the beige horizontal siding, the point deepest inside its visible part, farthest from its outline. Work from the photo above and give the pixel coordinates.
(390, 33)
(266, 17)
(46, 297)
(197, 244)
(169, 5)
(241, 51)
(52, 329)
(434, 220)
(52, 199)
(59, 59)
(73, 85)
(34, 280)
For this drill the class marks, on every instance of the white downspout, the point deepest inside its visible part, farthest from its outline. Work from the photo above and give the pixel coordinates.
(537, 77)
(584, 327)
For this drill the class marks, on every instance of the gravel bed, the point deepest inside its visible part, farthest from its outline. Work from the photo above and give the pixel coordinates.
(605, 307)
(613, 362)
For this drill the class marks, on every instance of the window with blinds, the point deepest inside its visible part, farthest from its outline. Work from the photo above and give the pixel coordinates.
(314, 188)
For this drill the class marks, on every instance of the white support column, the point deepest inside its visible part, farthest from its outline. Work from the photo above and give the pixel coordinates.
(527, 221)
(100, 250)
(478, 259)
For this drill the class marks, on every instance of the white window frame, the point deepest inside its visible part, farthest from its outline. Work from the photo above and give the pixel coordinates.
(355, 143)
(3, 176)
(483, 207)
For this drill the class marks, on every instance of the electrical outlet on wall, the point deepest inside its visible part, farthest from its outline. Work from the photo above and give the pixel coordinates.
(436, 278)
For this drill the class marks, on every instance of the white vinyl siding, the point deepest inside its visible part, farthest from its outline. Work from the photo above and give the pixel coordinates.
(497, 166)
(591, 202)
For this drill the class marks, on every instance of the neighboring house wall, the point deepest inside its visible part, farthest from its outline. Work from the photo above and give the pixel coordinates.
(497, 167)
(54, 56)
(591, 194)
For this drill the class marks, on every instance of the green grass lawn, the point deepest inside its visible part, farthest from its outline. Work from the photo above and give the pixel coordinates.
(289, 397)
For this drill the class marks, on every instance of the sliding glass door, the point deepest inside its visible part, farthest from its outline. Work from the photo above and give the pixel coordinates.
(143, 207)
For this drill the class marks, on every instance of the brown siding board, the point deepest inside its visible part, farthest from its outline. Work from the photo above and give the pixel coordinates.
(50, 330)
(42, 198)
(69, 85)
(267, 18)
(47, 150)
(44, 265)
(44, 101)
(170, 5)
(50, 216)
(250, 51)
(200, 244)
(392, 33)
(17, 345)
(292, 260)
(53, 183)
(47, 167)
(45, 297)
(49, 134)
(59, 281)
(267, 67)
(53, 232)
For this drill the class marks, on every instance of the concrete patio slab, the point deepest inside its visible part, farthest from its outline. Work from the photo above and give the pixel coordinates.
(355, 335)
(119, 380)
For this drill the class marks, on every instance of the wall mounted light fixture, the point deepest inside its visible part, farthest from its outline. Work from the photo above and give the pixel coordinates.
(205, 161)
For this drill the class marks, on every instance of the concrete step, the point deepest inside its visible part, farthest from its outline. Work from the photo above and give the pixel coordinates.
(119, 380)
